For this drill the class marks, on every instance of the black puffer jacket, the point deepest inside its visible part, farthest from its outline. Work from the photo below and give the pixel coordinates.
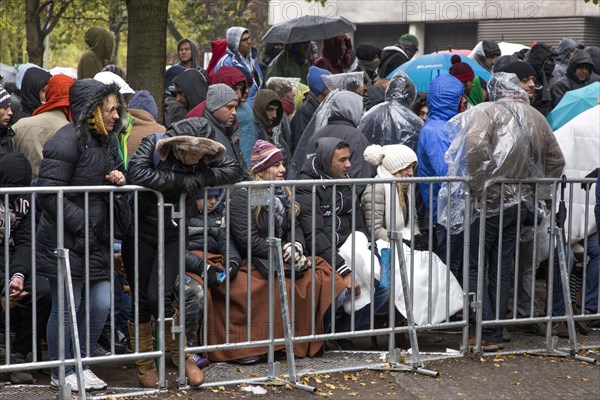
(317, 167)
(570, 81)
(171, 177)
(79, 156)
(6, 140)
(538, 59)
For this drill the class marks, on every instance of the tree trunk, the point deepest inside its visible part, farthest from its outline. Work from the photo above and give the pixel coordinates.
(35, 41)
(147, 46)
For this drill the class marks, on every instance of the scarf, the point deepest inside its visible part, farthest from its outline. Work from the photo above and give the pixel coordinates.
(97, 123)
(282, 205)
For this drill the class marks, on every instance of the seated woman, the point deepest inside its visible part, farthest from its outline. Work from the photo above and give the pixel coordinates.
(267, 165)
(399, 161)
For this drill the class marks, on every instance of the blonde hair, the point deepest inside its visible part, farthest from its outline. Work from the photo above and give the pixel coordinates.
(256, 210)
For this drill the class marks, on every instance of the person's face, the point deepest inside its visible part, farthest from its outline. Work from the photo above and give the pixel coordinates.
(340, 163)
(462, 105)
(289, 96)
(5, 114)
(424, 113)
(180, 97)
(245, 44)
(110, 112)
(42, 94)
(528, 85)
(468, 87)
(407, 172)
(582, 73)
(362, 90)
(271, 113)
(491, 61)
(185, 52)
(303, 47)
(211, 203)
(191, 158)
(226, 114)
(275, 172)
(241, 90)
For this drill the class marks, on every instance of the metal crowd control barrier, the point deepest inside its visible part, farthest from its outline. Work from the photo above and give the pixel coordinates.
(289, 336)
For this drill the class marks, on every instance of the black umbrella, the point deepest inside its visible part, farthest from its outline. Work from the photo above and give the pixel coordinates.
(308, 27)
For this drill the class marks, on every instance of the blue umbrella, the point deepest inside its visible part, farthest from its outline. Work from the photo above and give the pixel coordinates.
(423, 69)
(573, 103)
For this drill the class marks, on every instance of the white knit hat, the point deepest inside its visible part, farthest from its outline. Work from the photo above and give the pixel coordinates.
(393, 157)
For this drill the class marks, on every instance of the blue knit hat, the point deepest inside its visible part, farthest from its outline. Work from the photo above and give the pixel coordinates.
(315, 82)
(143, 100)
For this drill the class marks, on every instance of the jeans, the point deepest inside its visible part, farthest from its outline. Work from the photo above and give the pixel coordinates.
(99, 299)
(457, 243)
(362, 317)
(508, 240)
(591, 281)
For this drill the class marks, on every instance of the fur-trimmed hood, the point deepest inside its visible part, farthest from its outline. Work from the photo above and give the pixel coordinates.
(207, 149)
(87, 94)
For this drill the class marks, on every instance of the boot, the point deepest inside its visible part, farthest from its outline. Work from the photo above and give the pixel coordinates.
(147, 373)
(194, 375)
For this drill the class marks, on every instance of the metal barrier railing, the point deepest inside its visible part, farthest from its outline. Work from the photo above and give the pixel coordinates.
(410, 262)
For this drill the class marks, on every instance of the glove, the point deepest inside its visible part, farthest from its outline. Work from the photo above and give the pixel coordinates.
(186, 182)
(287, 251)
(302, 264)
(233, 270)
(421, 242)
(211, 276)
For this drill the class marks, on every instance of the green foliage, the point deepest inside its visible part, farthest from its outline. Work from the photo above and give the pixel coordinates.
(596, 2)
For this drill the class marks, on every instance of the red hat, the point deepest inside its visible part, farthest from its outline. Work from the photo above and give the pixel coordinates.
(462, 71)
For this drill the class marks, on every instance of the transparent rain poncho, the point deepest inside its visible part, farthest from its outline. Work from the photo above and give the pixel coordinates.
(283, 85)
(503, 139)
(393, 122)
(351, 81)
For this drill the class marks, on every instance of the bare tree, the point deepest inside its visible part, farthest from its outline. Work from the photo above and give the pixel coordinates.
(40, 18)
(146, 46)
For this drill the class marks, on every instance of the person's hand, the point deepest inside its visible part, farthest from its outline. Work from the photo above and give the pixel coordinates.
(348, 280)
(287, 252)
(15, 288)
(211, 275)
(116, 177)
(233, 270)
(119, 266)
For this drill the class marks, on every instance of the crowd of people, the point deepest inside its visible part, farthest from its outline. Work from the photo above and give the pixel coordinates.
(292, 115)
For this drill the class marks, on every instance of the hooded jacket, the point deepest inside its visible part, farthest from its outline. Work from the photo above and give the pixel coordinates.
(78, 155)
(248, 65)
(503, 139)
(6, 140)
(570, 81)
(277, 133)
(15, 171)
(229, 76)
(194, 86)
(172, 178)
(562, 60)
(289, 64)
(302, 118)
(334, 59)
(393, 122)
(483, 50)
(100, 42)
(318, 166)
(194, 50)
(538, 58)
(346, 110)
(224, 134)
(34, 80)
(443, 101)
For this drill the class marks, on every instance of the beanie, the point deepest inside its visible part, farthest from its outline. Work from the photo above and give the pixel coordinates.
(491, 49)
(393, 157)
(15, 170)
(143, 100)
(520, 68)
(219, 95)
(4, 97)
(411, 38)
(462, 71)
(264, 154)
(315, 80)
(367, 52)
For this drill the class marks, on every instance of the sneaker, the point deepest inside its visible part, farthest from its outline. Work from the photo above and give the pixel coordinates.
(534, 328)
(93, 381)
(505, 335)
(200, 361)
(248, 360)
(71, 380)
(20, 377)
